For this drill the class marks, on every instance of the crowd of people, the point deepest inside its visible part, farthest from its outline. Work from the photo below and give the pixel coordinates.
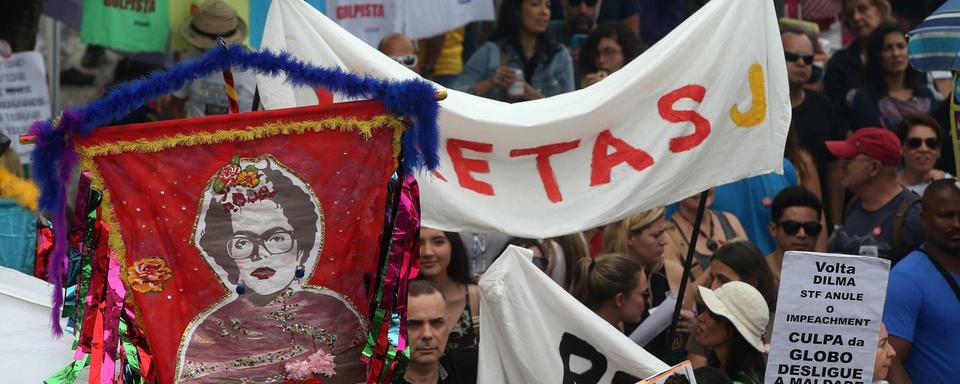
(867, 171)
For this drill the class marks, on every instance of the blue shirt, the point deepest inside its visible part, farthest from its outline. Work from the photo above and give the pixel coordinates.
(18, 237)
(921, 308)
(552, 76)
(744, 199)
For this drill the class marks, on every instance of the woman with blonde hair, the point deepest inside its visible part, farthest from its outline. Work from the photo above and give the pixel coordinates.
(642, 237)
(613, 286)
(844, 70)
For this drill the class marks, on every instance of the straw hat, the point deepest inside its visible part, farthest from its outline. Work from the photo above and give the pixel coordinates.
(743, 305)
(213, 18)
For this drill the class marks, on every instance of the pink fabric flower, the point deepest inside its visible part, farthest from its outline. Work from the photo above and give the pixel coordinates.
(319, 363)
(299, 370)
(322, 363)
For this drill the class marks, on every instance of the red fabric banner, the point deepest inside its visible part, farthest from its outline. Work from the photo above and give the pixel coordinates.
(246, 240)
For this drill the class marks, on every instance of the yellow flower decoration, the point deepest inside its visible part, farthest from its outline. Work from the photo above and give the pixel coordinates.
(248, 179)
(149, 275)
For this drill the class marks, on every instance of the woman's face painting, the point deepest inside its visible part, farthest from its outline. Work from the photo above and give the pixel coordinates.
(264, 247)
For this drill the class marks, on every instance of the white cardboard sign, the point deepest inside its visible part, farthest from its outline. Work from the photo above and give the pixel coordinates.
(23, 98)
(828, 319)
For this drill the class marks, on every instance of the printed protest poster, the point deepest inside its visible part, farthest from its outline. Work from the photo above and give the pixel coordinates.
(678, 374)
(23, 98)
(370, 20)
(828, 319)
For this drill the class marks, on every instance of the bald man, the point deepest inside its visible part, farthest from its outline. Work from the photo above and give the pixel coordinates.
(401, 49)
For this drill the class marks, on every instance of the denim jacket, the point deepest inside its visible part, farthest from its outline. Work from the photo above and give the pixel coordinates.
(551, 78)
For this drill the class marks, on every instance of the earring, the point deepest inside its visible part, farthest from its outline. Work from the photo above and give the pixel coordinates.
(301, 271)
(241, 288)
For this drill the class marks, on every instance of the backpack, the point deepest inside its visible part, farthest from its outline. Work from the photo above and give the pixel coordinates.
(898, 219)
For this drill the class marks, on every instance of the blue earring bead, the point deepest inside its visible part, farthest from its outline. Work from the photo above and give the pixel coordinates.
(241, 288)
(301, 271)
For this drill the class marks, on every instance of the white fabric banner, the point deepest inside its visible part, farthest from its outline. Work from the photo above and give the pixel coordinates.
(532, 331)
(706, 105)
(370, 20)
(426, 18)
(29, 353)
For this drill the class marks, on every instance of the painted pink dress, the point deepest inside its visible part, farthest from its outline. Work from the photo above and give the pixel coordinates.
(243, 343)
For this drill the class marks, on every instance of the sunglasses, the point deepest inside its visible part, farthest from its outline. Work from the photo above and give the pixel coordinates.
(790, 56)
(915, 142)
(408, 61)
(811, 228)
(589, 3)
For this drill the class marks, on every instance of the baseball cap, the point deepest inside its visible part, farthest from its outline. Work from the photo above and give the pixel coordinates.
(878, 143)
(742, 305)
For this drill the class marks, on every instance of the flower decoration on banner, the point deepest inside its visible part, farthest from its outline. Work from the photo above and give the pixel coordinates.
(149, 275)
(239, 186)
(304, 371)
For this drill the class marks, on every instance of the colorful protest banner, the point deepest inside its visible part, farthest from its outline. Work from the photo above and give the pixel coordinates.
(23, 98)
(562, 340)
(678, 374)
(828, 319)
(706, 105)
(131, 26)
(246, 239)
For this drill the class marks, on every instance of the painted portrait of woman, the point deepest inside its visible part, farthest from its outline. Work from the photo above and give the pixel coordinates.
(260, 228)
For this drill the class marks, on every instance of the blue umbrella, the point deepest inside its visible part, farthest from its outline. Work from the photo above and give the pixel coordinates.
(935, 46)
(935, 43)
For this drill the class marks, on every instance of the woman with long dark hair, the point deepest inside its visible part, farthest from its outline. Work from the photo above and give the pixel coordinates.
(737, 261)
(443, 261)
(519, 62)
(732, 326)
(891, 87)
(607, 49)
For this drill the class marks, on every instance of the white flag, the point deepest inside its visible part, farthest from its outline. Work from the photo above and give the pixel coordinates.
(707, 105)
(532, 331)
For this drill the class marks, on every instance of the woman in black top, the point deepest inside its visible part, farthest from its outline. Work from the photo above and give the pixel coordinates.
(891, 87)
(845, 68)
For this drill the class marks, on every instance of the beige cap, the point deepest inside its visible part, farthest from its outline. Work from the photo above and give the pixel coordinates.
(213, 18)
(743, 305)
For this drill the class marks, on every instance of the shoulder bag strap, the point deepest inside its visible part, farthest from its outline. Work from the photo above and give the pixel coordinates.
(898, 220)
(728, 231)
(946, 275)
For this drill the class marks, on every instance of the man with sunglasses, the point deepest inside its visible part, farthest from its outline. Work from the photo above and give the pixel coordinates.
(797, 220)
(580, 17)
(814, 119)
(883, 213)
(401, 49)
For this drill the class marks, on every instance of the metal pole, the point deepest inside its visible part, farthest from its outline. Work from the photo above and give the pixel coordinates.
(687, 264)
(54, 74)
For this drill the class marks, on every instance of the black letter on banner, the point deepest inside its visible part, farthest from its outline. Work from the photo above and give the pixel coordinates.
(624, 378)
(572, 345)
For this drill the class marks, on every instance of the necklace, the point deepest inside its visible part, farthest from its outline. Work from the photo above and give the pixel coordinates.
(712, 244)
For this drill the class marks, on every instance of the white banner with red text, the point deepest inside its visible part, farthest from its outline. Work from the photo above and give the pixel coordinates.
(706, 105)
